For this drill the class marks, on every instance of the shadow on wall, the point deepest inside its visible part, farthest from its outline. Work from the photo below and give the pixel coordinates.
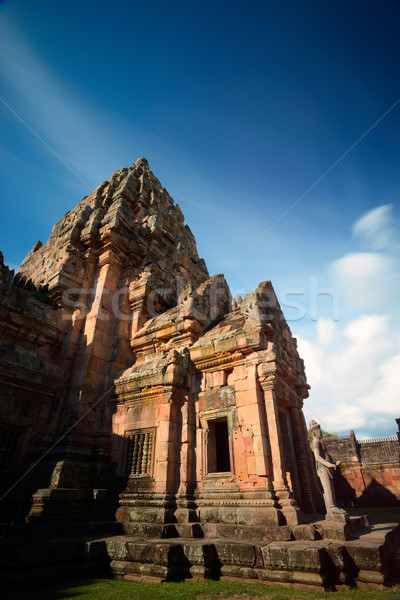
(345, 494)
(375, 494)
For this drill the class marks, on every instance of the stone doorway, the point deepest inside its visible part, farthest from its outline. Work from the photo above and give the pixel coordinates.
(218, 454)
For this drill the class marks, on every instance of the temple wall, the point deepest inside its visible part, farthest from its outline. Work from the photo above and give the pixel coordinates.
(369, 471)
(30, 384)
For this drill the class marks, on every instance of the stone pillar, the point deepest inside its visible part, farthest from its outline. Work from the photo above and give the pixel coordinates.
(252, 422)
(311, 495)
(138, 295)
(164, 440)
(279, 481)
(82, 467)
(294, 472)
(186, 508)
(184, 453)
(290, 510)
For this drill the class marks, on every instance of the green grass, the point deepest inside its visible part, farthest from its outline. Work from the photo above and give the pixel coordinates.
(111, 589)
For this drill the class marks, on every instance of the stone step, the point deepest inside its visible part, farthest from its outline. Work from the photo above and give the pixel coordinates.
(367, 561)
(49, 529)
(358, 523)
(219, 530)
(256, 533)
(337, 530)
(308, 531)
(163, 530)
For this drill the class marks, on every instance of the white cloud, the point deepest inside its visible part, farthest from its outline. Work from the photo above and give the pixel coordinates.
(313, 357)
(355, 380)
(376, 228)
(364, 329)
(327, 331)
(366, 344)
(368, 280)
(353, 365)
(365, 280)
(385, 393)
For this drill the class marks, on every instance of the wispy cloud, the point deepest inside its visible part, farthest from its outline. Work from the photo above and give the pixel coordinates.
(327, 330)
(353, 365)
(56, 115)
(368, 280)
(376, 229)
(365, 280)
(355, 380)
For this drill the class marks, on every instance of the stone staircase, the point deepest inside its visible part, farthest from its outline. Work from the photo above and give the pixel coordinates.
(302, 554)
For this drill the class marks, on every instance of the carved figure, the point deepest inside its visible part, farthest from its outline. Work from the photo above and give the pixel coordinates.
(325, 470)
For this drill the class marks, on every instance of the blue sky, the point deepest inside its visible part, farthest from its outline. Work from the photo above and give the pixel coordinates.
(239, 108)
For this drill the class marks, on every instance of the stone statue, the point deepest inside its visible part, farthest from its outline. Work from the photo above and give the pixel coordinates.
(325, 470)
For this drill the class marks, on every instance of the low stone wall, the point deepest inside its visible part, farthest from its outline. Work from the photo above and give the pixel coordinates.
(369, 471)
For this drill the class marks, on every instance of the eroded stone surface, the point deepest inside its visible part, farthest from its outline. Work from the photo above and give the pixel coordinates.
(119, 353)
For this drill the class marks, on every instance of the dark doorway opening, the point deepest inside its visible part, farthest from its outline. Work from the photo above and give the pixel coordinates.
(218, 447)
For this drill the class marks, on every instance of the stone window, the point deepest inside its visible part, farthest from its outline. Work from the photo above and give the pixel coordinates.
(218, 455)
(140, 451)
(9, 438)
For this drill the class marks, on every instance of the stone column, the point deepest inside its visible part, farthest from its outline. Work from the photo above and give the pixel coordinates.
(304, 461)
(279, 481)
(183, 469)
(252, 422)
(186, 508)
(74, 492)
(163, 449)
(295, 476)
(289, 509)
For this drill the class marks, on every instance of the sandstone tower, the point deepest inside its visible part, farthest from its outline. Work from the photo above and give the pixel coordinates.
(137, 393)
(149, 370)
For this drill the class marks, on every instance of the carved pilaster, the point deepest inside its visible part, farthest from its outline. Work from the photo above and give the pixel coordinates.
(280, 485)
(309, 488)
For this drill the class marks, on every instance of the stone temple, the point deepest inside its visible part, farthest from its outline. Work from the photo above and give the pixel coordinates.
(152, 421)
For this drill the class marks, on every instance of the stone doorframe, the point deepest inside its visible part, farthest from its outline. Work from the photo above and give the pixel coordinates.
(205, 418)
